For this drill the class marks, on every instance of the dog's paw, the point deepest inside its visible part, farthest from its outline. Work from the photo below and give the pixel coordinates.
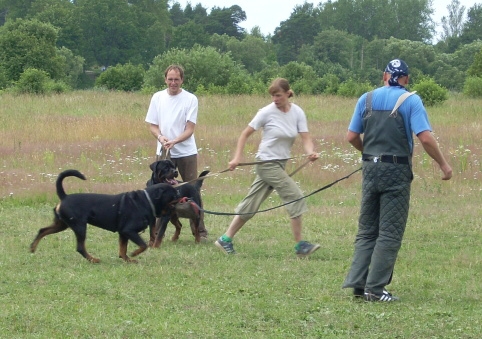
(94, 260)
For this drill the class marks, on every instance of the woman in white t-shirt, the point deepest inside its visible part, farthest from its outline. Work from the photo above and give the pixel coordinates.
(281, 122)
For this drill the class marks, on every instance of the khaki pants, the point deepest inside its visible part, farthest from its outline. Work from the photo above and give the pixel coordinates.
(269, 176)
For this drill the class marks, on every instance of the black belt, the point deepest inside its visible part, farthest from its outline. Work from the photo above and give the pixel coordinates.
(393, 159)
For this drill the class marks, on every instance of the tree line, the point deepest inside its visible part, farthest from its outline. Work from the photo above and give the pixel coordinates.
(337, 47)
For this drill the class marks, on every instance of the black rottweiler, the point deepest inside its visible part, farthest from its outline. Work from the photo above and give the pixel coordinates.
(126, 213)
(164, 171)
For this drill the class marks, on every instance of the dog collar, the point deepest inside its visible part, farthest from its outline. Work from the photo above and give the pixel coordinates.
(150, 203)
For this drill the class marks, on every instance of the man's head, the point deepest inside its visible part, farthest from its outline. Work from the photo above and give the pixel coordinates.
(396, 73)
(174, 77)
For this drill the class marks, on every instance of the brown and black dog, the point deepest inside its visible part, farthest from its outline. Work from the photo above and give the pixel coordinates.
(164, 171)
(126, 213)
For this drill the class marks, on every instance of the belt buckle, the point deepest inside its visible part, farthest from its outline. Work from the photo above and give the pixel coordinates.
(375, 159)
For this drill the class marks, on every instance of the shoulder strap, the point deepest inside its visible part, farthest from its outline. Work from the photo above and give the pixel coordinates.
(368, 105)
(400, 100)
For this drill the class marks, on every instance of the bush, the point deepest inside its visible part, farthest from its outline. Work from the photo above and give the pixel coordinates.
(57, 87)
(202, 66)
(473, 87)
(431, 93)
(329, 84)
(122, 77)
(476, 68)
(239, 83)
(33, 81)
(352, 88)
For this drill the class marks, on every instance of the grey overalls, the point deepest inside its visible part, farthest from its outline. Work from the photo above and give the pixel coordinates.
(387, 176)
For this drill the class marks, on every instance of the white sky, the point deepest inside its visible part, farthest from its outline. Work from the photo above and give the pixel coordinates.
(268, 14)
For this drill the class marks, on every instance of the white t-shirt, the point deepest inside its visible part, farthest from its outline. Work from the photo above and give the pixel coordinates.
(279, 130)
(171, 113)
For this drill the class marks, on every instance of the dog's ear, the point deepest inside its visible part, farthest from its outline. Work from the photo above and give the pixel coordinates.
(153, 166)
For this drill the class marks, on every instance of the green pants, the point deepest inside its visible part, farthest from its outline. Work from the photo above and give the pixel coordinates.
(381, 225)
(269, 176)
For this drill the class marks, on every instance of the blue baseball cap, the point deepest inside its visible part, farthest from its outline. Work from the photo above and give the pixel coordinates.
(396, 68)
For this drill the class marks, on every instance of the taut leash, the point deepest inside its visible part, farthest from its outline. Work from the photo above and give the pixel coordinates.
(287, 203)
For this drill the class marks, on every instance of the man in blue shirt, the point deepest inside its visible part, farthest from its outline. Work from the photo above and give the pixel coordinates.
(387, 148)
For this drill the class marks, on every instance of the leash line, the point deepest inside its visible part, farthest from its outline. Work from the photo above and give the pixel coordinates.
(242, 164)
(287, 203)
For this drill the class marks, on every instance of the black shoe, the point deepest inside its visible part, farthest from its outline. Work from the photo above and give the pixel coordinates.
(384, 297)
(358, 293)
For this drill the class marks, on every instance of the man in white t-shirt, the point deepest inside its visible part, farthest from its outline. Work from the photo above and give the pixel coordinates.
(172, 116)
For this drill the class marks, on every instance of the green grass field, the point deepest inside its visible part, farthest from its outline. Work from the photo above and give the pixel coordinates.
(184, 290)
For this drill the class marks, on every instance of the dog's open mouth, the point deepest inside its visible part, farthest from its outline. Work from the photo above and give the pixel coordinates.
(171, 181)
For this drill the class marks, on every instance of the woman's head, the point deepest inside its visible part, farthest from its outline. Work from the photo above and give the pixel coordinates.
(280, 85)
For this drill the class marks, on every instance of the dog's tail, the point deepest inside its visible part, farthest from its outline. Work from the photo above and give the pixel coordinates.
(68, 173)
(199, 183)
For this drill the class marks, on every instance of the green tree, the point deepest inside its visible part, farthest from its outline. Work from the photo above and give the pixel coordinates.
(188, 35)
(476, 68)
(416, 54)
(226, 21)
(59, 13)
(444, 73)
(252, 52)
(473, 27)
(464, 56)
(300, 29)
(110, 34)
(152, 23)
(14, 9)
(176, 14)
(336, 47)
(198, 14)
(453, 24)
(73, 66)
(29, 44)
(402, 19)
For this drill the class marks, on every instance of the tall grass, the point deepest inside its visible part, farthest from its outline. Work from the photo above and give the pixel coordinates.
(183, 290)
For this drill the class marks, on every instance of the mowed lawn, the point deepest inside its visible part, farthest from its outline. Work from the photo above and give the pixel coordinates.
(188, 290)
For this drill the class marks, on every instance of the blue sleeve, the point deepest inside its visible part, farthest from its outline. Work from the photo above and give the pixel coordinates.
(356, 123)
(418, 117)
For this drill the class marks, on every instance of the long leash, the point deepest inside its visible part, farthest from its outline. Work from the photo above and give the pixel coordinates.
(239, 165)
(287, 203)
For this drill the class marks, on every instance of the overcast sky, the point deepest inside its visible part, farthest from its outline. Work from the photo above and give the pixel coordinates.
(268, 14)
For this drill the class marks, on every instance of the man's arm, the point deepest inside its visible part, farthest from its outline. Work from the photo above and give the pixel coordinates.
(355, 139)
(430, 146)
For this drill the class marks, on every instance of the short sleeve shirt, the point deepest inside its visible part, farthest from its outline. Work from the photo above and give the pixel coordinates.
(280, 130)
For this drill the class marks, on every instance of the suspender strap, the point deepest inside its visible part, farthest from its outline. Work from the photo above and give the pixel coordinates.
(400, 100)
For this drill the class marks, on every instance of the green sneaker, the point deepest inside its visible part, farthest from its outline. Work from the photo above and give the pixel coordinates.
(225, 246)
(305, 248)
